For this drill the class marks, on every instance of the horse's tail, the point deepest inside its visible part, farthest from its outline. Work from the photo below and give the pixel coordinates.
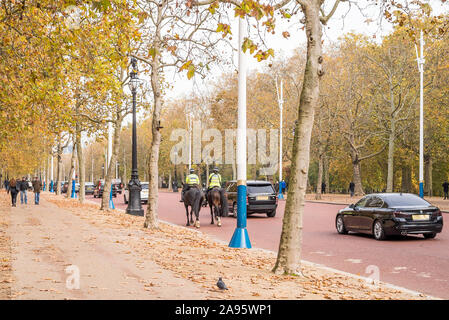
(198, 198)
(224, 204)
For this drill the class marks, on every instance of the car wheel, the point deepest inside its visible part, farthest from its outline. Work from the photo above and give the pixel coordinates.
(271, 214)
(124, 199)
(378, 230)
(340, 225)
(429, 235)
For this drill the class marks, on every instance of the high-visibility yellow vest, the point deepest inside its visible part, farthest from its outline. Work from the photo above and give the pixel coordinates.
(192, 179)
(214, 180)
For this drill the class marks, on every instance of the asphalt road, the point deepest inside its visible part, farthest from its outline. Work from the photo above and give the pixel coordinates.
(411, 262)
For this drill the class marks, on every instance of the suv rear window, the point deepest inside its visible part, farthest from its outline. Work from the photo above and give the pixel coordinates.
(264, 188)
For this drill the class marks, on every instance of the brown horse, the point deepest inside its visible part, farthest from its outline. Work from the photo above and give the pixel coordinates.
(218, 204)
(193, 198)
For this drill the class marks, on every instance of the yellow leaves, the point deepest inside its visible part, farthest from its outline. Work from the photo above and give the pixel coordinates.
(225, 28)
(190, 69)
(213, 7)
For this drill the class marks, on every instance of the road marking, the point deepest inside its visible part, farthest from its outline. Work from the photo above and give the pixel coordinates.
(354, 260)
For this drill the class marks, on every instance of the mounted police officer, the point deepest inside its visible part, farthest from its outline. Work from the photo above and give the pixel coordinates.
(214, 179)
(192, 180)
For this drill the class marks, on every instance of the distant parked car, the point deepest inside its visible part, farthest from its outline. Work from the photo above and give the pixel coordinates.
(143, 193)
(384, 214)
(260, 197)
(118, 185)
(98, 191)
(89, 188)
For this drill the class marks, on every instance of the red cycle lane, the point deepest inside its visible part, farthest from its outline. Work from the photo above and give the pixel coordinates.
(412, 262)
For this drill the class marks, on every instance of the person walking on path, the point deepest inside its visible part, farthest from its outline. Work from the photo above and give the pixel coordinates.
(351, 188)
(37, 186)
(446, 189)
(23, 187)
(13, 189)
(323, 187)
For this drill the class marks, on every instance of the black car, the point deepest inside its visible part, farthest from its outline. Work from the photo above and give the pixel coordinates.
(384, 214)
(261, 197)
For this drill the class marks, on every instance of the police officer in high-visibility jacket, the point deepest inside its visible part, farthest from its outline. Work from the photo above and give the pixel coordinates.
(191, 180)
(214, 181)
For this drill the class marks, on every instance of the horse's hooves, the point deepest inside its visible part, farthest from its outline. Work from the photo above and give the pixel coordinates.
(219, 224)
(197, 224)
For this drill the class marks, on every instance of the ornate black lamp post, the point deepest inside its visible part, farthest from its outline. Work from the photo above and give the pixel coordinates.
(134, 187)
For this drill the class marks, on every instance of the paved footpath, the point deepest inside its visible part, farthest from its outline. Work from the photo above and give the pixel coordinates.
(46, 240)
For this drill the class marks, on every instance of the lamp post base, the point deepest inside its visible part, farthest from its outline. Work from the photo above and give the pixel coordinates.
(134, 204)
(240, 239)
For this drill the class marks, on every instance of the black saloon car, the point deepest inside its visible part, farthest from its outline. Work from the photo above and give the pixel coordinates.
(385, 214)
(261, 197)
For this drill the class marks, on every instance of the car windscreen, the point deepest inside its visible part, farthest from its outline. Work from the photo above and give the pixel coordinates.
(267, 188)
(405, 200)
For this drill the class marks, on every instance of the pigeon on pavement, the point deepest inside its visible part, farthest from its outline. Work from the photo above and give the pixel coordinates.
(221, 284)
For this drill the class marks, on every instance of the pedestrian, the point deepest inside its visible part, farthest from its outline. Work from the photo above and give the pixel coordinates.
(446, 189)
(6, 185)
(37, 186)
(23, 187)
(351, 188)
(13, 189)
(283, 185)
(323, 187)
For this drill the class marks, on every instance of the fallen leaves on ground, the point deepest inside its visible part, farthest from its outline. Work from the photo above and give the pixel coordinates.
(198, 258)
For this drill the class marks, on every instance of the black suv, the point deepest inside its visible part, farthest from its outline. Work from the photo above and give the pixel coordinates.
(261, 197)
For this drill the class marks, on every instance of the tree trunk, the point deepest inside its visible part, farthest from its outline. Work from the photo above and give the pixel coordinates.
(151, 217)
(390, 171)
(357, 178)
(406, 179)
(234, 171)
(169, 180)
(320, 175)
(72, 169)
(326, 173)
(112, 164)
(59, 168)
(81, 165)
(207, 175)
(289, 254)
(428, 175)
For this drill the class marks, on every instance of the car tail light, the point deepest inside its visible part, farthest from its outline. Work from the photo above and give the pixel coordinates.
(399, 214)
(436, 213)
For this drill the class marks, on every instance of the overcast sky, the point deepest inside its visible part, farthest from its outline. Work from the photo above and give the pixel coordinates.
(344, 20)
